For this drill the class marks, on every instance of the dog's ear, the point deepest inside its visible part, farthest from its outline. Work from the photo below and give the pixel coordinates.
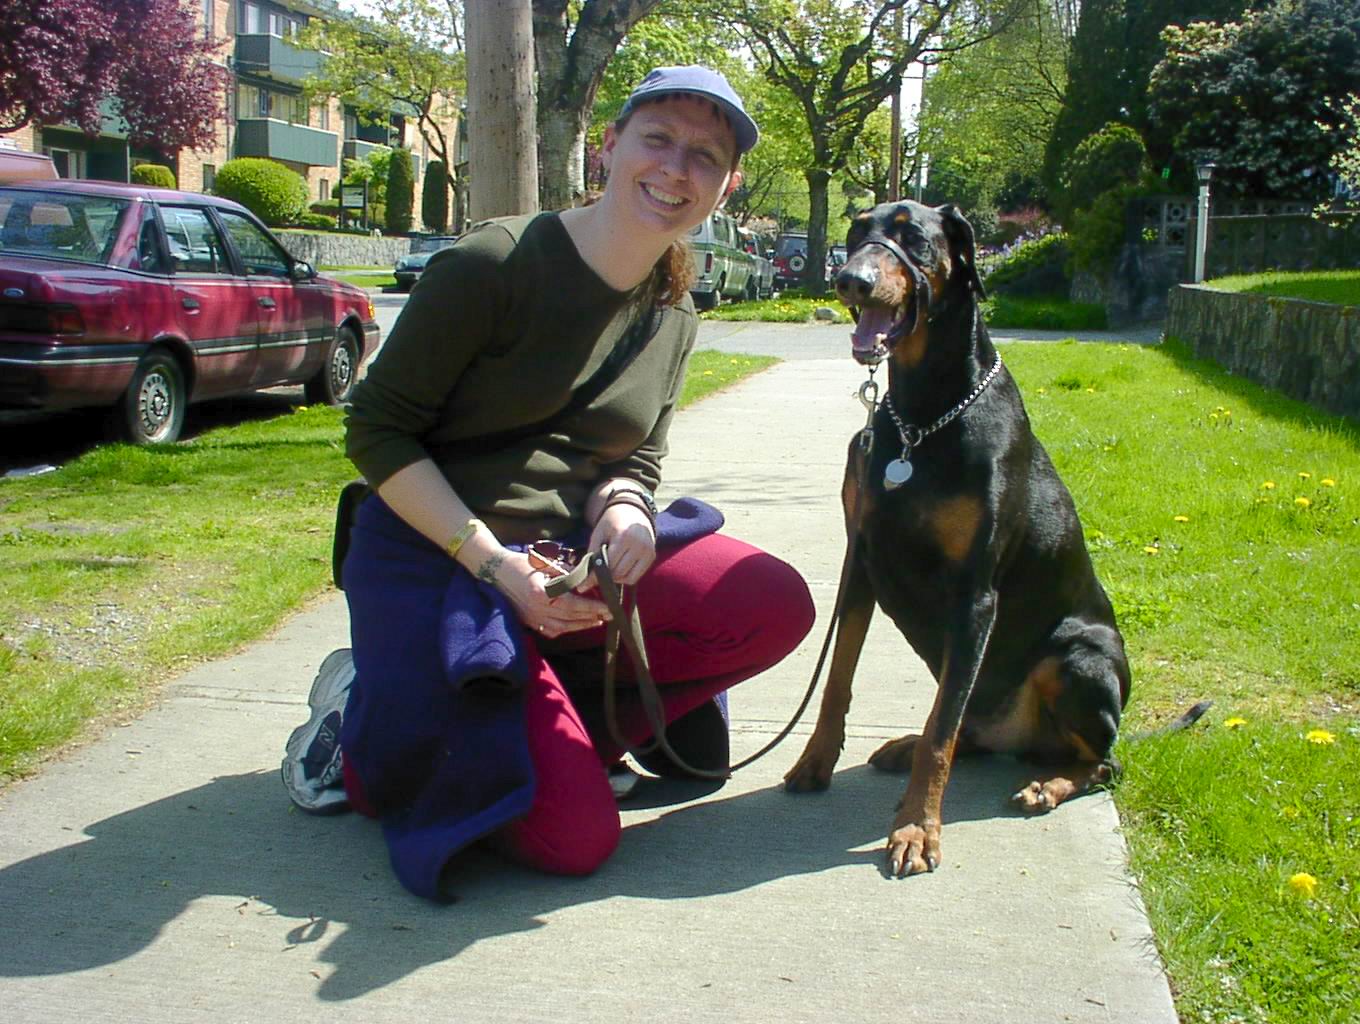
(961, 246)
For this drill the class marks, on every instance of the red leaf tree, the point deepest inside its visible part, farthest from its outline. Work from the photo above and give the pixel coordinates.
(73, 61)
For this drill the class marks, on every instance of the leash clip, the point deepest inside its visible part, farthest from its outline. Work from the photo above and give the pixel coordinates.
(868, 396)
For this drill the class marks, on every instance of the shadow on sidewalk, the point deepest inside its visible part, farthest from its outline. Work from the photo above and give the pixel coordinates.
(236, 846)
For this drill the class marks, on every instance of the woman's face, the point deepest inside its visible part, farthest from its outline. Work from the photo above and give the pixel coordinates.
(671, 164)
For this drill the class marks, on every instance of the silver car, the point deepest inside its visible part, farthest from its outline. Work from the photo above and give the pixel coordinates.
(409, 268)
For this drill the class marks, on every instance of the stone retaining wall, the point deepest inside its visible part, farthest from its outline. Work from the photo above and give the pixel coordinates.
(1307, 350)
(333, 250)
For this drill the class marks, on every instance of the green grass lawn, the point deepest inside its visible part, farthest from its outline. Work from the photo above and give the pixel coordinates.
(1337, 286)
(1223, 521)
(786, 308)
(369, 280)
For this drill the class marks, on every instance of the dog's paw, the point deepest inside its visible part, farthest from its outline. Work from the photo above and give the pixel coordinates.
(895, 755)
(1036, 798)
(811, 773)
(913, 850)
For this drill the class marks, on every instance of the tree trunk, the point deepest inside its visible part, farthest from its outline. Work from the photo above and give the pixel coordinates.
(814, 274)
(571, 60)
(502, 152)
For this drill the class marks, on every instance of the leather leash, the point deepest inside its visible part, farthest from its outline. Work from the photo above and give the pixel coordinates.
(625, 628)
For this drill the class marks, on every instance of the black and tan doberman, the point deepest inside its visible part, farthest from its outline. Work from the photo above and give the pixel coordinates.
(967, 539)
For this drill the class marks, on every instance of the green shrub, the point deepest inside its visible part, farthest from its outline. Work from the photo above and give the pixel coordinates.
(1099, 231)
(434, 198)
(316, 220)
(153, 175)
(400, 193)
(1033, 268)
(330, 207)
(271, 191)
(1113, 156)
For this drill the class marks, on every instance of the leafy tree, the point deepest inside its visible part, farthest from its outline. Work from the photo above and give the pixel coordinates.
(1116, 46)
(409, 58)
(73, 61)
(1346, 160)
(373, 171)
(1263, 98)
(988, 112)
(574, 41)
(400, 192)
(840, 59)
(434, 198)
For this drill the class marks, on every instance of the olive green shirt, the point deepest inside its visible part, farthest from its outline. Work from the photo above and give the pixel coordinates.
(496, 335)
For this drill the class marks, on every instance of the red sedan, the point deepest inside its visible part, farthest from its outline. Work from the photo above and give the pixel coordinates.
(146, 299)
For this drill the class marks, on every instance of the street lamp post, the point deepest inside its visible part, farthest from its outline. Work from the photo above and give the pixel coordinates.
(1203, 172)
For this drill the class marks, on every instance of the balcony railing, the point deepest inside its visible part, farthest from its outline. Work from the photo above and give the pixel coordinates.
(273, 57)
(263, 136)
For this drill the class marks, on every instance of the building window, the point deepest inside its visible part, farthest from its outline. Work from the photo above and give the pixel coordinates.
(208, 6)
(252, 20)
(323, 116)
(324, 189)
(209, 177)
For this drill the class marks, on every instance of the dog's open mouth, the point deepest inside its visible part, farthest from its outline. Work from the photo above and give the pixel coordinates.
(876, 330)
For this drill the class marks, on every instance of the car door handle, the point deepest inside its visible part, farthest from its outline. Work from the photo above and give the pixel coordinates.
(190, 304)
(267, 302)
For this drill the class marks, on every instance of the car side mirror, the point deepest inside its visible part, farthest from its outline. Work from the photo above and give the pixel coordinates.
(301, 271)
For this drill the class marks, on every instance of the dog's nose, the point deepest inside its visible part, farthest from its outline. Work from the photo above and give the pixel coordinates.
(854, 285)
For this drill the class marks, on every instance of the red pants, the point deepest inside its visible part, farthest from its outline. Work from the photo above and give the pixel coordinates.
(714, 612)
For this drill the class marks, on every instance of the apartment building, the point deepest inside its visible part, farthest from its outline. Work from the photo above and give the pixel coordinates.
(264, 115)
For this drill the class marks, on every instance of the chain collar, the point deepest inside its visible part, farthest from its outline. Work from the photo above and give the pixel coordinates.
(913, 435)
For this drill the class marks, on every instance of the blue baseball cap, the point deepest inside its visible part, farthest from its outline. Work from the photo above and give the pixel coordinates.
(696, 80)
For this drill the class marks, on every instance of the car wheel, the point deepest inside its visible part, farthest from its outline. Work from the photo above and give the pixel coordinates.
(334, 382)
(151, 411)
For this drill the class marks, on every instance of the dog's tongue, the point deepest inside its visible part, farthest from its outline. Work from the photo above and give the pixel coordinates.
(871, 332)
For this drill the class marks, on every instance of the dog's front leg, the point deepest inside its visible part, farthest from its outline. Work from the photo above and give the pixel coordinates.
(914, 842)
(813, 769)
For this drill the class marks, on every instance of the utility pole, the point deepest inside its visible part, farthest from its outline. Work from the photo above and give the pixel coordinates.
(502, 139)
(895, 133)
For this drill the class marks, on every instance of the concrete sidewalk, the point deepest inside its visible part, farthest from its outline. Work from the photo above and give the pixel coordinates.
(160, 873)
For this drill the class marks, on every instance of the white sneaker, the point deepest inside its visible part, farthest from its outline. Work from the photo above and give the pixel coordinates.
(311, 762)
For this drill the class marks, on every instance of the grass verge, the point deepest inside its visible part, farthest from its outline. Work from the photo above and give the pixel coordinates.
(785, 308)
(1044, 314)
(1337, 286)
(128, 564)
(370, 280)
(1222, 519)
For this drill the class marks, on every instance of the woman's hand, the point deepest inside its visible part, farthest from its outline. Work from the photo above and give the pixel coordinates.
(547, 616)
(628, 533)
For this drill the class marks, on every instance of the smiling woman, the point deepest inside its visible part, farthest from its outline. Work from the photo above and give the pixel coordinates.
(526, 395)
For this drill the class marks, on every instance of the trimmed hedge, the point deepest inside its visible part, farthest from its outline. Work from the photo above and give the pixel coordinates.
(153, 176)
(275, 194)
(1034, 268)
(401, 185)
(434, 198)
(316, 220)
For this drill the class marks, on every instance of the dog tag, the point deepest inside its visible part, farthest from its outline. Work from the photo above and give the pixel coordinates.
(896, 474)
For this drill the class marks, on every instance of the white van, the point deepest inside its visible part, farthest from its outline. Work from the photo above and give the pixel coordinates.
(722, 269)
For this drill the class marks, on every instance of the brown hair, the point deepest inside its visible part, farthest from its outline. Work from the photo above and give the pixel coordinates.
(674, 271)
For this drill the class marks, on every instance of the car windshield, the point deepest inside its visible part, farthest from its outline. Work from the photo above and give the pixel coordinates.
(59, 226)
(430, 244)
(790, 244)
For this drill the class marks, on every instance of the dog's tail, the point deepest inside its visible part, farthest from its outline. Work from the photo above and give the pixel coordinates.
(1184, 722)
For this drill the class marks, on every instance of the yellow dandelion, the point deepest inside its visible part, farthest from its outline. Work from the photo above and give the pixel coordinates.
(1302, 502)
(1180, 519)
(1269, 485)
(1327, 481)
(1320, 736)
(1305, 475)
(1291, 812)
(733, 362)
(1234, 722)
(1150, 550)
(1303, 884)
(1043, 391)
(708, 373)
(1213, 415)
(1090, 391)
